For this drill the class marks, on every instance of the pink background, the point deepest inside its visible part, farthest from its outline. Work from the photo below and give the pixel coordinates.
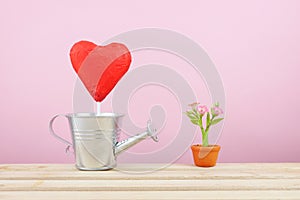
(255, 46)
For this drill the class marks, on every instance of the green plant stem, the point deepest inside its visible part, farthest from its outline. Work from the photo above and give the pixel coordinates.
(201, 124)
(204, 133)
(205, 139)
(208, 125)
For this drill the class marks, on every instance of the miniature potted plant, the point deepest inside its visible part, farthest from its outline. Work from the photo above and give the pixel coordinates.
(205, 155)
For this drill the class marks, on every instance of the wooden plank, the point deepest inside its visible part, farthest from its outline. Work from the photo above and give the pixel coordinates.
(223, 171)
(225, 181)
(163, 195)
(159, 175)
(156, 167)
(148, 185)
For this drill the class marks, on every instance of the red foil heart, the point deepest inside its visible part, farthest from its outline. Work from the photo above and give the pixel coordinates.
(100, 67)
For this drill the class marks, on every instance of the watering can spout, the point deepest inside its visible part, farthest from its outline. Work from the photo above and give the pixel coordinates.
(131, 141)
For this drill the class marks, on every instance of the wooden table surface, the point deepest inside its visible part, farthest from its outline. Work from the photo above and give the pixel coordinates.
(149, 181)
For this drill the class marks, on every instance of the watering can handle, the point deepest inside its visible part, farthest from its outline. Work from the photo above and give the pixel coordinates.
(54, 134)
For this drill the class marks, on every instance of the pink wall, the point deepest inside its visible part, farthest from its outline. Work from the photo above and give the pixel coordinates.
(254, 45)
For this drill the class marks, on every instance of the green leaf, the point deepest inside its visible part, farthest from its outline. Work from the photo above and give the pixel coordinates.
(187, 113)
(215, 121)
(196, 113)
(195, 121)
(191, 116)
(207, 120)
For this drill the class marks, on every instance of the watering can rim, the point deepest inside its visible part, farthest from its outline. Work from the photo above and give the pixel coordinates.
(88, 115)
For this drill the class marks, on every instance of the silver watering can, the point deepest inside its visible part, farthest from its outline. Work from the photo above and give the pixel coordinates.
(95, 139)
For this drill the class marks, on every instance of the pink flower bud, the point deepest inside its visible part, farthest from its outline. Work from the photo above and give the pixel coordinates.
(193, 105)
(202, 109)
(216, 111)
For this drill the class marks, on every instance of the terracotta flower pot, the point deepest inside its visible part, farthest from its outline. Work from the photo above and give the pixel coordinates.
(205, 156)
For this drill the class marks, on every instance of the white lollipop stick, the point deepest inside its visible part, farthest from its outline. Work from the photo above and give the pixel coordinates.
(98, 108)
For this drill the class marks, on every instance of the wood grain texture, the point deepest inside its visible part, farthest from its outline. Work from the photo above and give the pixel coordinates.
(152, 181)
(130, 195)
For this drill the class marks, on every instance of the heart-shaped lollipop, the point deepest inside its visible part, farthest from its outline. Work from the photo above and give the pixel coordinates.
(100, 67)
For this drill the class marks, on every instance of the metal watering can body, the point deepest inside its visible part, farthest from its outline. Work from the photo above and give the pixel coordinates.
(95, 139)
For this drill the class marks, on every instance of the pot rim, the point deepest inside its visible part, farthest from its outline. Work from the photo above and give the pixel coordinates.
(210, 145)
(213, 147)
